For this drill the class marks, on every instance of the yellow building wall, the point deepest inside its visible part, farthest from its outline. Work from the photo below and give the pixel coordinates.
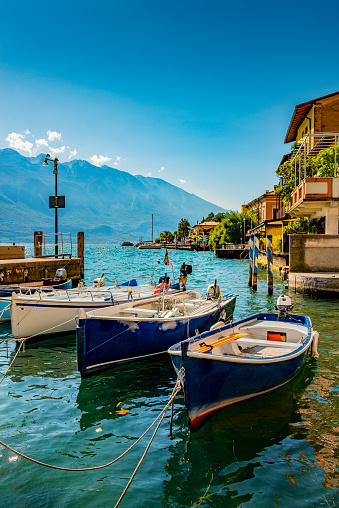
(274, 229)
(306, 123)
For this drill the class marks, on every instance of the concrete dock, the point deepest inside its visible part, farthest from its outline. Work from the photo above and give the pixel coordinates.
(24, 270)
(321, 283)
(16, 268)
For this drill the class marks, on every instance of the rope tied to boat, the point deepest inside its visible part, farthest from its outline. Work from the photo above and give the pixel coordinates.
(160, 417)
(22, 345)
(4, 310)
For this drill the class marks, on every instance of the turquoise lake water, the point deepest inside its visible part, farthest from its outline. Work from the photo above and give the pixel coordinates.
(279, 449)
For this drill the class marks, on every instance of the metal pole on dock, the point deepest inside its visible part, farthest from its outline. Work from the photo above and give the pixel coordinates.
(255, 262)
(250, 275)
(269, 265)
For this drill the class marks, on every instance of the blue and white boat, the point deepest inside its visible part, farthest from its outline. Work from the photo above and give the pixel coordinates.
(135, 330)
(29, 287)
(243, 359)
(39, 314)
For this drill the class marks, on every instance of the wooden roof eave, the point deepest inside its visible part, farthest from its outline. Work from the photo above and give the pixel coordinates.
(299, 115)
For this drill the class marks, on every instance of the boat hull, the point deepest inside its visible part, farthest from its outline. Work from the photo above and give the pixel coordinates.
(211, 383)
(31, 318)
(102, 343)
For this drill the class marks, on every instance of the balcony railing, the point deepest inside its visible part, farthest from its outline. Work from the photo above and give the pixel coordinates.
(310, 146)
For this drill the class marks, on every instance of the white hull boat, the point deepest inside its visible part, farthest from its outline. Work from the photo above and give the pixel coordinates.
(56, 313)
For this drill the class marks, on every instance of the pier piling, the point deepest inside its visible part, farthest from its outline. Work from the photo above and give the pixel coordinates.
(255, 262)
(250, 275)
(269, 265)
(81, 252)
(37, 244)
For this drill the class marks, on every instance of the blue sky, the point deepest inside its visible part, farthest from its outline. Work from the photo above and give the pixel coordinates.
(199, 93)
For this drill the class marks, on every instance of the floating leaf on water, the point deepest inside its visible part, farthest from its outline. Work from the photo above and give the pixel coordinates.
(122, 411)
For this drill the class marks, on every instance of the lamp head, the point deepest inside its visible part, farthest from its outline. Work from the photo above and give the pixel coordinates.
(45, 163)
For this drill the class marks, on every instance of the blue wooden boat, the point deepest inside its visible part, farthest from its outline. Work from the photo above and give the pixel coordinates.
(135, 330)
(243, 359)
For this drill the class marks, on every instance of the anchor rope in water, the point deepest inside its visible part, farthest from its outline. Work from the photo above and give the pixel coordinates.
(22, 343)
(161, 416)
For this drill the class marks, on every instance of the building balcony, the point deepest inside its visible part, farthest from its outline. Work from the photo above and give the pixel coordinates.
(317, 197)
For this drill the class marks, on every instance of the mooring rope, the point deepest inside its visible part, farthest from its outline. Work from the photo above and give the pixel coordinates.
(4, 310)
(74, 318)
(22, 343)
(161, 416)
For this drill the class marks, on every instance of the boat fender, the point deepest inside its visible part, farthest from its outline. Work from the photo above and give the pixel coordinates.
(219, 324)
(314, 347)
(160, 288)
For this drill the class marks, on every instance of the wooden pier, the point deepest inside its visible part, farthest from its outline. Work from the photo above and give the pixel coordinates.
(232, 251)
(188, 246)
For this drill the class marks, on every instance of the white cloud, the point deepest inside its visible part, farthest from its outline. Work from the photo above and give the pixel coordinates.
(41, 142)
(181, 180)
(118, 158)
(17, 142)
(149, 174)
(116, 164)
(27, 132)
(99, 160)
(52, 136)
(73, 153)
(58, 150)
(161, 169)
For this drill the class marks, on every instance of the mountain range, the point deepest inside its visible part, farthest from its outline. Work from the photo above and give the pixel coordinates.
(109, 205)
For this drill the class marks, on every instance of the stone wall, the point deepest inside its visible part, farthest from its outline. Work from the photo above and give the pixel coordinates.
(314, 253)
(12, 252)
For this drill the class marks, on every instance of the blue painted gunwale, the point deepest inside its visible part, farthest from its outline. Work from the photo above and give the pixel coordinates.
(102, 343)
(212, 381)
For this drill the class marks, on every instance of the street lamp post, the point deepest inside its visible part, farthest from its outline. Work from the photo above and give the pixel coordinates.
(55, 201)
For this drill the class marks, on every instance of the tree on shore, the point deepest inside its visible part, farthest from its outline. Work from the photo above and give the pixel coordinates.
(230, 229)
(166, 237)
(184, 228)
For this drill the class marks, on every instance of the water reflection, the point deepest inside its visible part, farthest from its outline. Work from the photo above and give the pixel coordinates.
(130, 387)
(277, 449)
(232, 445)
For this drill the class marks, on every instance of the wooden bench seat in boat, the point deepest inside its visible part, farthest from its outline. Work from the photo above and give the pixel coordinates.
(223, 340)
(243, 339)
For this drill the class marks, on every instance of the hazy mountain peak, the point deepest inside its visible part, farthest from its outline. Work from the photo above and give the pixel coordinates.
(106, 203)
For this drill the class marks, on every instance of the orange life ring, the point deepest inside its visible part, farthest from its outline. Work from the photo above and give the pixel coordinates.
(160, 288)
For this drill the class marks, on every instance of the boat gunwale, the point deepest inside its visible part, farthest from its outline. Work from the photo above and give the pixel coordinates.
(305, 321)
(159, 319)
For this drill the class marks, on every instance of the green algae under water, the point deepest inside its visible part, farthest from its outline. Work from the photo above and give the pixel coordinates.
(279, 449)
